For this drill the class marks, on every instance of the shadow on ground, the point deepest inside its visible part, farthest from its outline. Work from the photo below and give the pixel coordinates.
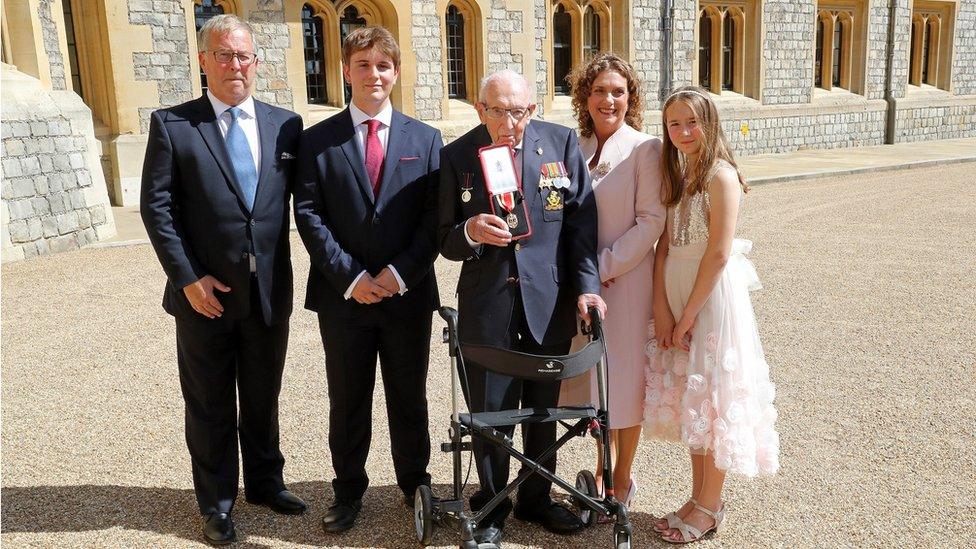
(172, 512)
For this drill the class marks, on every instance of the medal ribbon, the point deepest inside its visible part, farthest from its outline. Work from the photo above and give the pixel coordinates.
(507, 201)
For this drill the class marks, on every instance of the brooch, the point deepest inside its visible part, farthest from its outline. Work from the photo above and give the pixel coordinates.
(602, 169)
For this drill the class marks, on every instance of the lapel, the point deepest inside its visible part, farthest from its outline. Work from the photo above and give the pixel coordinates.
(353, 156)
(399, 127)
(531, 164)
(267, 134)
(210, 132)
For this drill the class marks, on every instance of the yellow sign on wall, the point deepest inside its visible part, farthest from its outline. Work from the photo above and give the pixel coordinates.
(744, 129)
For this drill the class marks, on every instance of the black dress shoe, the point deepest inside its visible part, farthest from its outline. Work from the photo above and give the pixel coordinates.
(489, 534)
(284, 502)
(342, 515)
(555, 518)
(218, 529)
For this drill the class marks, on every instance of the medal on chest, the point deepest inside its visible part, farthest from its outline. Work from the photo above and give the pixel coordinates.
(552, 181)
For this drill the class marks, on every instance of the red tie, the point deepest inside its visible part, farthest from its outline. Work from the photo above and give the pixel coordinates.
(374, 155)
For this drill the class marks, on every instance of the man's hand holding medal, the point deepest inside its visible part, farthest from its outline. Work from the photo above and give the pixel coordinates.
(508, 220)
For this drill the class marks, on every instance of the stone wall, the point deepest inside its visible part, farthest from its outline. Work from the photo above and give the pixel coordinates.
(168, 64)
(682, 41)
(267, 18)
(788, 34)
(648, 60)
(541, 60)
(814, 127)
(53, 190)
(426, 36)
(501, 25)
(964, 65)
(49, 32)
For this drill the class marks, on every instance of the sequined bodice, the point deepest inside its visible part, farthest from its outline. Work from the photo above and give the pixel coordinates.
(688, 221)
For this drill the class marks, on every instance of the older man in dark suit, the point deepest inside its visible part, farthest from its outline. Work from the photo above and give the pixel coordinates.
(522, 295)
(215, 190)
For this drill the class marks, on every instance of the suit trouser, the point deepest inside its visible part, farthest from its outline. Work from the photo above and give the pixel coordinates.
(487, 391)
(352, 345)
(215, 357)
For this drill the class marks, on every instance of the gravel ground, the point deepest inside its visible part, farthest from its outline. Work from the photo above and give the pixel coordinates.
(866, 316)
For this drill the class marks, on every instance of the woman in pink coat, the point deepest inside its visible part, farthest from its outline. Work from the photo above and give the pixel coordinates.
(625, 167)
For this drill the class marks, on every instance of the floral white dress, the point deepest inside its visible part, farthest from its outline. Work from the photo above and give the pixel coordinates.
(718, 396)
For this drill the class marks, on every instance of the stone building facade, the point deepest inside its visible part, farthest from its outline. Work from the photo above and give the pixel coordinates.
(787, 74)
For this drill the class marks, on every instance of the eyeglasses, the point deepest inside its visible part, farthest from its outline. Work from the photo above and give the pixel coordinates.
(244, 57)
(517, 114)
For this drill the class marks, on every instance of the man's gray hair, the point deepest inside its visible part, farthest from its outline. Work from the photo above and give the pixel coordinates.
(507, 75)
(222, 24)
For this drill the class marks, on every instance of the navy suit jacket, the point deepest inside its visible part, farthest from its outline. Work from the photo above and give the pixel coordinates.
(193, 208)
(347, 231)
(556, 264)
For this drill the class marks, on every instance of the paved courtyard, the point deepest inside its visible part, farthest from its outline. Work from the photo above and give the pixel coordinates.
(867, 317)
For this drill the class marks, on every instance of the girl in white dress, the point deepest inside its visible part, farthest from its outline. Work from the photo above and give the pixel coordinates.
(708, 382)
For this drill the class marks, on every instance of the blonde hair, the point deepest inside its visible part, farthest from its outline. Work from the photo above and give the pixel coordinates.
(367, 38)
(714, 147)
(582, 78)
(223, 24)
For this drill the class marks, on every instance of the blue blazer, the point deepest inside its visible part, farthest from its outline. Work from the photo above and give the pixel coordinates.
(193, 208)
(554, 265)
(347, 231)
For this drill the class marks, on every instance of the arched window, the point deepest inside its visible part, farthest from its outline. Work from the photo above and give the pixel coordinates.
(349, 22)
(591, 33)
(203, 11)
(562, 53)
(728, 51)
(314, 46)
(456, 73)
(705, 50)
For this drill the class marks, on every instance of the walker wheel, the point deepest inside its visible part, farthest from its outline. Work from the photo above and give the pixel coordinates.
(621, 539)
(423, 519)
(586, 483)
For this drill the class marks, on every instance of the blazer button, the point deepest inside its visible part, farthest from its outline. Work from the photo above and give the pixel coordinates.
(252, 223)
(518, 246)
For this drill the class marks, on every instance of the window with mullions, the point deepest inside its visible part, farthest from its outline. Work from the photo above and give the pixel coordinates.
(69, 31)
(837, 54)
(728, 46)
(818, 59)
(562, 55)
(591, 33)
(349, 22)
(456, 74)
(728, 51)
(203, 11)
(314, 46)
(705, 51)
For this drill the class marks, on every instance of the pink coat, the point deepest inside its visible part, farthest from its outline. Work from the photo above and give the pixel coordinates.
(627, 184)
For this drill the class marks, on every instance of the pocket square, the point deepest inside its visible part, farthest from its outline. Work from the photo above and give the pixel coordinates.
(287, 156)
(402, 158)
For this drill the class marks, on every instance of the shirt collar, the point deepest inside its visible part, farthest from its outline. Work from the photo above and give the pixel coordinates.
(385, 116)
(219, 107)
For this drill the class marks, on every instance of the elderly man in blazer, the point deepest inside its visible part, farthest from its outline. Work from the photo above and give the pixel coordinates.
(522, 295)
(215, 189)
(365, 205)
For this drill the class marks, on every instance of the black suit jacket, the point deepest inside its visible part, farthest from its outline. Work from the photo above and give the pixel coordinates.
(194, 213)
(346, 231)
(554, 265)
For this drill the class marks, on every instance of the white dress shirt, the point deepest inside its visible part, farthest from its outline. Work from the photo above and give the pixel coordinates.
(518, 171)
(359, 118)
(247, 121)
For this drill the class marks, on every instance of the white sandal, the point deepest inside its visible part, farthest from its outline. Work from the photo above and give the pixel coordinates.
(673, 519)
(691, 534)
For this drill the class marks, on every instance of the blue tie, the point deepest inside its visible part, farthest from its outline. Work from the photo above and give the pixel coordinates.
(241, 158)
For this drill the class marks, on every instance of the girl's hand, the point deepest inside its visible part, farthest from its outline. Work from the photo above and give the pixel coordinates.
(663, 327)
(682, 333)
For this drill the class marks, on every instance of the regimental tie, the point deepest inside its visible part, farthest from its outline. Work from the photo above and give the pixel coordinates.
(374, 155)
(241, 158)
